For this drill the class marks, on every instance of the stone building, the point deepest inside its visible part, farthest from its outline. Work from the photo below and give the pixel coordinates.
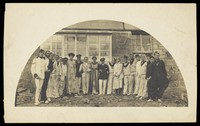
(107, 39)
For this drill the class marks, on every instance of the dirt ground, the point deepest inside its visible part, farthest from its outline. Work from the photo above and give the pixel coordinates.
(171, 100)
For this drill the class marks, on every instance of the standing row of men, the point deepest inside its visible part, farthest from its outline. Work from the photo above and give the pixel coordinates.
(141, 76)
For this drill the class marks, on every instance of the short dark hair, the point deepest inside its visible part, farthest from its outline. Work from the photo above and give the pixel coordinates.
(41, 50)
(125, 57)
(137, 56)
(151, 57)
(102, 59)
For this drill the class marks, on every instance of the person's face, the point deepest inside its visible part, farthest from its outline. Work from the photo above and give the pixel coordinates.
(103, 61)
(138, 58)
(57, 58)
(143, 58)
(79, 58)
(40, 54)
(152, 59)
(125, 60)
(51, 57)
(47, 54)
(156, 57)
(54, 57)
(71, 57)
(148, 58)
(131, 56)
(86, 59)
(94, 59)
(118, 60)
(113, 60)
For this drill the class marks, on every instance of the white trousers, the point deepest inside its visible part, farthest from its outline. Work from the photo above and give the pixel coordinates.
(137, 83)
(128, 80)
(110, 83)
(78, 84)
(142, 87)
(62, 85)
(102, 86)
(131, 84)
(38, 84)
(85, 82)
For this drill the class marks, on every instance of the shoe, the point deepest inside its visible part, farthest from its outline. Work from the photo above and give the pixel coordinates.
(37, 103)
(150, 100)
(159, 100)
(137, 96)
(141, 98)
(48, 99)
(46, 102)
(41, 101)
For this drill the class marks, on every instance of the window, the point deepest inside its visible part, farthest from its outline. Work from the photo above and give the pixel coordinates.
(99, 46)
(81, 45)
(54, 44)
(141, 43)
(86, 45)
(70, 44)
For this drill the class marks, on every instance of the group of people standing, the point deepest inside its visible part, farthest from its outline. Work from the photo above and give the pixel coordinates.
(142, 76)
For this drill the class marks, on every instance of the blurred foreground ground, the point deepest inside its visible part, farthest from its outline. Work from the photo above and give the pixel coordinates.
(170, 99)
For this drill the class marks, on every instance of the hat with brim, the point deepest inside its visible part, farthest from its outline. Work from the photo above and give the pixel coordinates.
(102, 59)
(65, 59)
(71, 54)
(79, 55)
(156, 53)
(94, 57)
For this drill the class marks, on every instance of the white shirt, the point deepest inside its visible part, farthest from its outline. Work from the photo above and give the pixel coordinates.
(127, 69)
(39, 66)
(142, 68)
(118, 70)
(63, 70)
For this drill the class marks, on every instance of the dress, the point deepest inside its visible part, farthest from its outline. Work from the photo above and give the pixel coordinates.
(52, 89)
(71, 77)
(85, 69)
(118, 73)
(94, 77)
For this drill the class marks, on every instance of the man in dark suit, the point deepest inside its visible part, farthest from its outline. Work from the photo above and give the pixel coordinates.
(47, 75)
(150, 86)
(158, 78)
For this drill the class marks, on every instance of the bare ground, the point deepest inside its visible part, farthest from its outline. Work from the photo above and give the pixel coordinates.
(170, 99)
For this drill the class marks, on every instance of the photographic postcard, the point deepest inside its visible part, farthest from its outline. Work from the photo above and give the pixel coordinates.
(93, 63)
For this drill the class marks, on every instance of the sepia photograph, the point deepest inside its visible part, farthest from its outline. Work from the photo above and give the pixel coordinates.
(101, 63)
(79, 63)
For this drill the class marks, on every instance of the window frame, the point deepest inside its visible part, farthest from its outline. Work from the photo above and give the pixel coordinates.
(141, 42)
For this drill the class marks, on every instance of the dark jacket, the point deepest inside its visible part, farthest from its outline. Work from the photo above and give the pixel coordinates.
(78, 74)
(149, 69)
(103, 71)
(158, 69)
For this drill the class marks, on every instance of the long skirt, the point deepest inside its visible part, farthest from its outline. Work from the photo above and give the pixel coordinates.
(72, 83)
(52, 89)
(85, 82)
(117, 83)
(94, 81)
(110, 83)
